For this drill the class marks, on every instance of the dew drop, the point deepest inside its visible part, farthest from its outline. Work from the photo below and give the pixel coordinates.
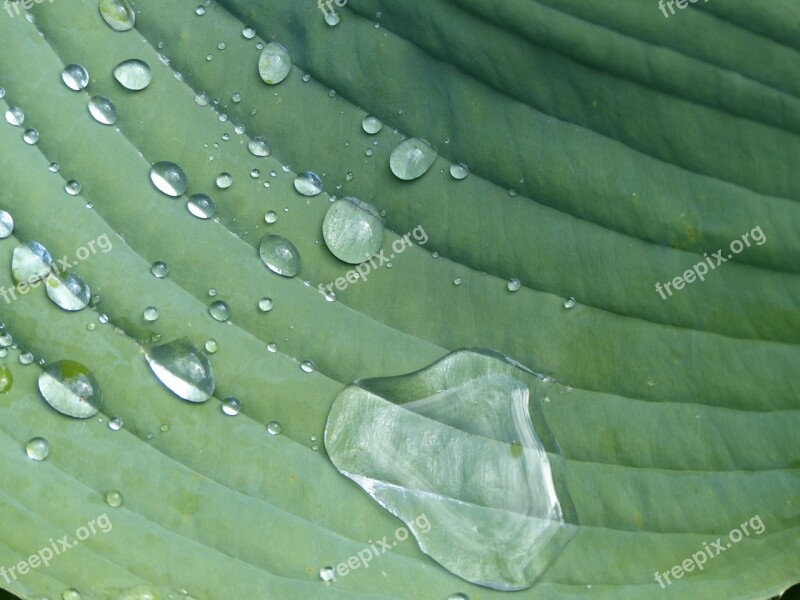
(459, 171)
(30, 262)
(326, 574)
(274, 64)
(259, 146)
(31, 136)
(231, 407)
(353, 230)
(307, 366)
(54, 167)
(457, 281)
(371, 124)
(569, 302)
(200, 11)
(270, 217)
(114, 499)
(15, 116)
(201, 206)
(272, 347)
(25, 358)
(222, 46)
(118, 14)
(248, 33)
(211, 346)
(71, 594)
(150, 314)
(201, 99)
(306, 77)
(224, 180)
(411, 159)
(274, 428)
(6, 224)
(183, 369)
(255, 173)
(133, 74)
(220, 310)
(37, 449)
(73, 187)
(308, 184)
(169, 178)
(236, 97)
(265, 304)
(6, 379)
(280, 255)
(115, 423)
(103, 110)
(71, 389)
(69, 291)
(514, 285)
(159, 269)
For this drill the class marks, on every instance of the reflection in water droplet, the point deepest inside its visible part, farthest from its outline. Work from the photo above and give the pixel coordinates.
(274, 64)
(371, 124)
(307, 366)
(569, 302)
(159, 269)
(308, 184)
(273, 427)
(150, 314)
(71, 389)
(73, 187)
(31, 136)
(183, 369)
(201, 206)
(6, 224)
(69, 291)
(353, 230)
(224, 180)
(169, 178)
(37, 449)
(114, 499)
(459, 171)
(115, 424)
(411, 159)
(220, 310)
(265, 304)
(231, 407)
(30, 262)
(75, 77)
(514, 285)
(118, 14)
(15, 116)
(280, 255)
(133, 74)
(103, 110)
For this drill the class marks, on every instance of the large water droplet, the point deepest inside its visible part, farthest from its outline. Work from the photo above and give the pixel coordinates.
(280, 255)
(73, 187)
(308, 184)
(71, 389)
(150, 314)
(75, 77)
(248, 33)
(274, 64)
(461, 443)
(37, 449)
(265, 304)
(201, 206)
(224, 180)
(103, 110)
(183, 369)
(15, 116)
(514, 285)
(115, 423)
(169, 178)
(412, 158)
(259, 146)
(353, 230)
(307, 366)
(30, 262)
(133, 74)
(6, 224)
(31, 136)
(569, 303)
(220, 310)
(69, 291)
(118, 14)
(371, 124)
(459, 171)
(270, 217)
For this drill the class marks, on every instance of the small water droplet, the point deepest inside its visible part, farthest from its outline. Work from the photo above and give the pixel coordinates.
(71, 594)
(6, 379)
(25, 358)
(308, 184)
(220, 310)
(200, 11)
(274, 428)
(259, 146)
(115, 423)
(118, 14)
(201, 206)
(150, 314)
(222, 46)
(514, 285)
(569, 302)
(73, 187)
(265, 304)
(271, 217)
(31, 136)
(183, 369)
(164, 428)
(353, 230)
(15, 116)
(434, 255)
(201, 99)
(37, 449)
(349, 176)
(103, 318)
(306, 77)
(255, 173)
(457, 281)
(248, 33)
(459, 171)
(69, 291)
(159, 269)
(30, 262)
(91, 326)
(331, 93)
(54, 167)
(224, 180)
(274, 64)
(307, 366)
(272, 347)
(169, 178)
(114, 499)
(71, 389)
(326, 574)
(231, 407)
(371, 124)
(512, 193)
(103, 110)
(6, 224)
(280, 255)
(411, 159)
(211, 346)
(133, 74)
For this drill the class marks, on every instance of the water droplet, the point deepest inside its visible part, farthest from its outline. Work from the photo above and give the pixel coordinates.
(201, 206)
(411, 159)
(514, 285)
(231, 407)
(91, 326)
(2, 92)
(332, 18)
(369, 152)
(248, 33)
(270, 217)
(69, 291)
(274, 64)
(236, 97)
(115, 424)
(114, 499)
(326, 574)
(30, 262)
(169, 178)
(259, 146)
(150, 314)
(133, 74)
(71, 389)
(512, 193)
(201, 99)
(6, 340)
(569, 302)
(183, 369)
(54, 167)
(273, 427)
(306, 77)
(224, 180)
(164, 428)
(103, 318)
(73, 187)
(307, 366)
(118, 14)
(103, 110)
(6, 379)
(280, 255)
(222, 46)
(459, 171)
(212, 292)
(159, 269)
(265, 304)
(25, 358)
(272, 347)
(200, 11)
(457, 281)
(211, 346)
(220, 310)
(255, 173)
(371, 124)
(37, 449)
(458, 596)
(353, 230)
(71, 594)
(15, 116)
(308, 184)
(6, 224)
(31, 136)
